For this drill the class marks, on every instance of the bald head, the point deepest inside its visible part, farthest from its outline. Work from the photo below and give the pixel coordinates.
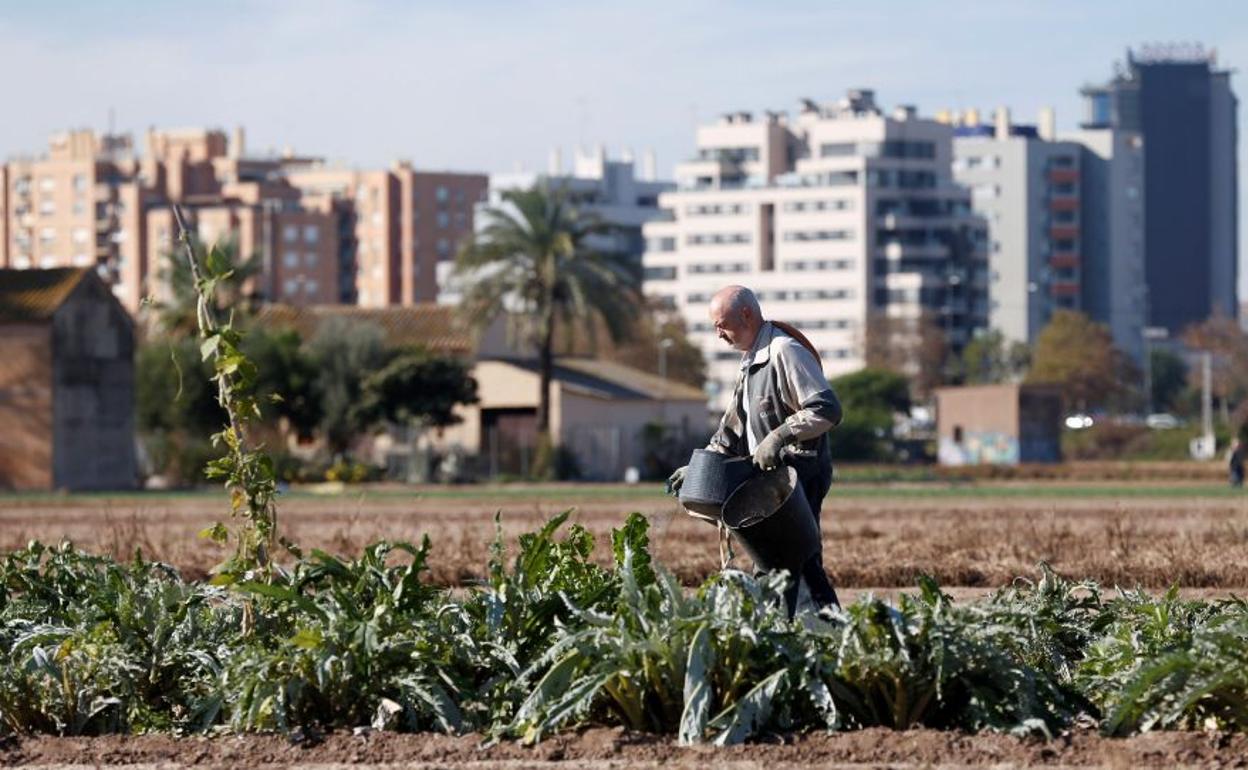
(736, 316)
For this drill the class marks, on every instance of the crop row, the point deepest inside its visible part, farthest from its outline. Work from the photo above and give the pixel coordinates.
(551, 640)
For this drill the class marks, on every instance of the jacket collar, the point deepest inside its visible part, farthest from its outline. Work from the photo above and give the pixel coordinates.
(760, 353)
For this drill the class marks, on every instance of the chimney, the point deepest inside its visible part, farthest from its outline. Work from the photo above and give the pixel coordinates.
(554, 165)
(1002, 118)
(1048, 124)
(238, 146)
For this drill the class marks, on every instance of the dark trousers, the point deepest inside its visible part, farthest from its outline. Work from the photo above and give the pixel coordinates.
(815, 476)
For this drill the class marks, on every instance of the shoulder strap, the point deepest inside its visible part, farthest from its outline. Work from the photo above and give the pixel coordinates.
(793, 332)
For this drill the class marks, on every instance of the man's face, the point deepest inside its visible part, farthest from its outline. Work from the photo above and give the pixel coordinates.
(733, 328)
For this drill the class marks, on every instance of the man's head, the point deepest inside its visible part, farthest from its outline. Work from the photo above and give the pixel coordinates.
(736, 316)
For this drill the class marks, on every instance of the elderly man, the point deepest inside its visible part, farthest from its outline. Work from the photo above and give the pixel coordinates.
(781, 409)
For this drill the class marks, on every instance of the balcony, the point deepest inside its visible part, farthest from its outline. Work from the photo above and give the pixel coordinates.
(1067, 203)
(1064, 289)
(897, 250)
(1063, 175)
(1064, 260)
(1063, 232)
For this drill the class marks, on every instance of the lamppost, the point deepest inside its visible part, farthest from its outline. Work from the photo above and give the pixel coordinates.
(664, 344)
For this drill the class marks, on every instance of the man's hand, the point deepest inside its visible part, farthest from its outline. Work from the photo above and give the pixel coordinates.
(767, 455)
(676, 480)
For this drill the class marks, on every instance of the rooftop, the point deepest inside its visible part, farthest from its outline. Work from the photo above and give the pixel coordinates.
(34, 295)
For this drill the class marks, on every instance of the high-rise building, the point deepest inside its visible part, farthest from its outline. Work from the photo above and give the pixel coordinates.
(1183, 108)
(839, 219)
(1064, 222)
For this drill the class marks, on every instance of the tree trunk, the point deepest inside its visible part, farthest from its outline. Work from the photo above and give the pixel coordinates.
(545, 373)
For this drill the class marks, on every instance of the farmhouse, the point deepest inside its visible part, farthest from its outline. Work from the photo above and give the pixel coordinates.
(66, 383)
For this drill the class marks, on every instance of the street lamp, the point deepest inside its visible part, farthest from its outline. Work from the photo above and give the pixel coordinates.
(664, 344)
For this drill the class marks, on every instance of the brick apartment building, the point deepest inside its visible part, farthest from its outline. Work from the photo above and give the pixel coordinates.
(321, 234)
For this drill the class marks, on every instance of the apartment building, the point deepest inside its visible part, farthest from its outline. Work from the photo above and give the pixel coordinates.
(321, 234)
(1181, 106)
(397, 226)
(837, 219)
(1058, 213)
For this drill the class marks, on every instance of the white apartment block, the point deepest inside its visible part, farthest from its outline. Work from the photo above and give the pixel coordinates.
(836, 217)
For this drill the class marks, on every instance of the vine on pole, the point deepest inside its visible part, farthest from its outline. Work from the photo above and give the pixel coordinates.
(247, 472)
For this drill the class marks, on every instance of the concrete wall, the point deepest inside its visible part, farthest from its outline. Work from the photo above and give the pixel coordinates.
(605, 435)
(93, 392)
(977, 424)
(26, 407)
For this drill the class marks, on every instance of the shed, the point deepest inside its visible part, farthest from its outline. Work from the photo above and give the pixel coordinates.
(66, 383)
(998, 424)
(599, 412)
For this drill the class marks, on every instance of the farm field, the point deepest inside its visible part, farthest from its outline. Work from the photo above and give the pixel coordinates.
(879, 538)
(981, 535)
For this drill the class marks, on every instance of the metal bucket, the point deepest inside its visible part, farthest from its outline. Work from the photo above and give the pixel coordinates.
(771, 518)
(710, 479)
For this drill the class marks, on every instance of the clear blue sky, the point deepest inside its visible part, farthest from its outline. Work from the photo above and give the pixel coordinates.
(487, 85)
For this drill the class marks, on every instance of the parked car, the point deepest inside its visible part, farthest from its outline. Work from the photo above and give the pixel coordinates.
(1162, 421)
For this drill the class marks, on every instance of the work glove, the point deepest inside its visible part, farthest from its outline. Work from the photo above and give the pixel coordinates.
(767, 454)
(676, 480)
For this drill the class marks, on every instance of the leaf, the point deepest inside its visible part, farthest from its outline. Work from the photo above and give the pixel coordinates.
(698, 689)
(217, 533)
(744, 718)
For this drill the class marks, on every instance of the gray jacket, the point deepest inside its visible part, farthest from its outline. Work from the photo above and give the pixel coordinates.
(787, 391)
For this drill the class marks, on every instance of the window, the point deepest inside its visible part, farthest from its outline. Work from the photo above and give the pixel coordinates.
(47, 236)
(310, 288)
(659, 274)
(82, 260)
(81, 235)
(290, 259)
(461, 219)
(310, 259)
(819, 264)
(731, 154)
(442, 194)
(311, 233)
(717, 238)
(47, 184)
(79, 208)
(47, 208)
(715, 209)
(1064, 188)
(80, 183)
(443, 219)
(719, 267)
(837, 149)
(290, 233)
(660, 244)
(818, 235)
(836, 204)
(443, 247)
(291, 287)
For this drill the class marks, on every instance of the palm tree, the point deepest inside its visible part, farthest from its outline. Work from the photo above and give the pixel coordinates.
(175, 297)
(532, 260)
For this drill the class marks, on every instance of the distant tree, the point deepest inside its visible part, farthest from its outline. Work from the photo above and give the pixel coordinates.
(415, 388)
(286, 377)
(1227, 345)
(1169, 375)
(1078, 355)
(869, 398)
(991, 359)
(532, 259)
(684, 361)
(344, 353)
(914, 347)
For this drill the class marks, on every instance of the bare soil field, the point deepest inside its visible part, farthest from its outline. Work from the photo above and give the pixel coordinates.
(980, 537)
(616, 748)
